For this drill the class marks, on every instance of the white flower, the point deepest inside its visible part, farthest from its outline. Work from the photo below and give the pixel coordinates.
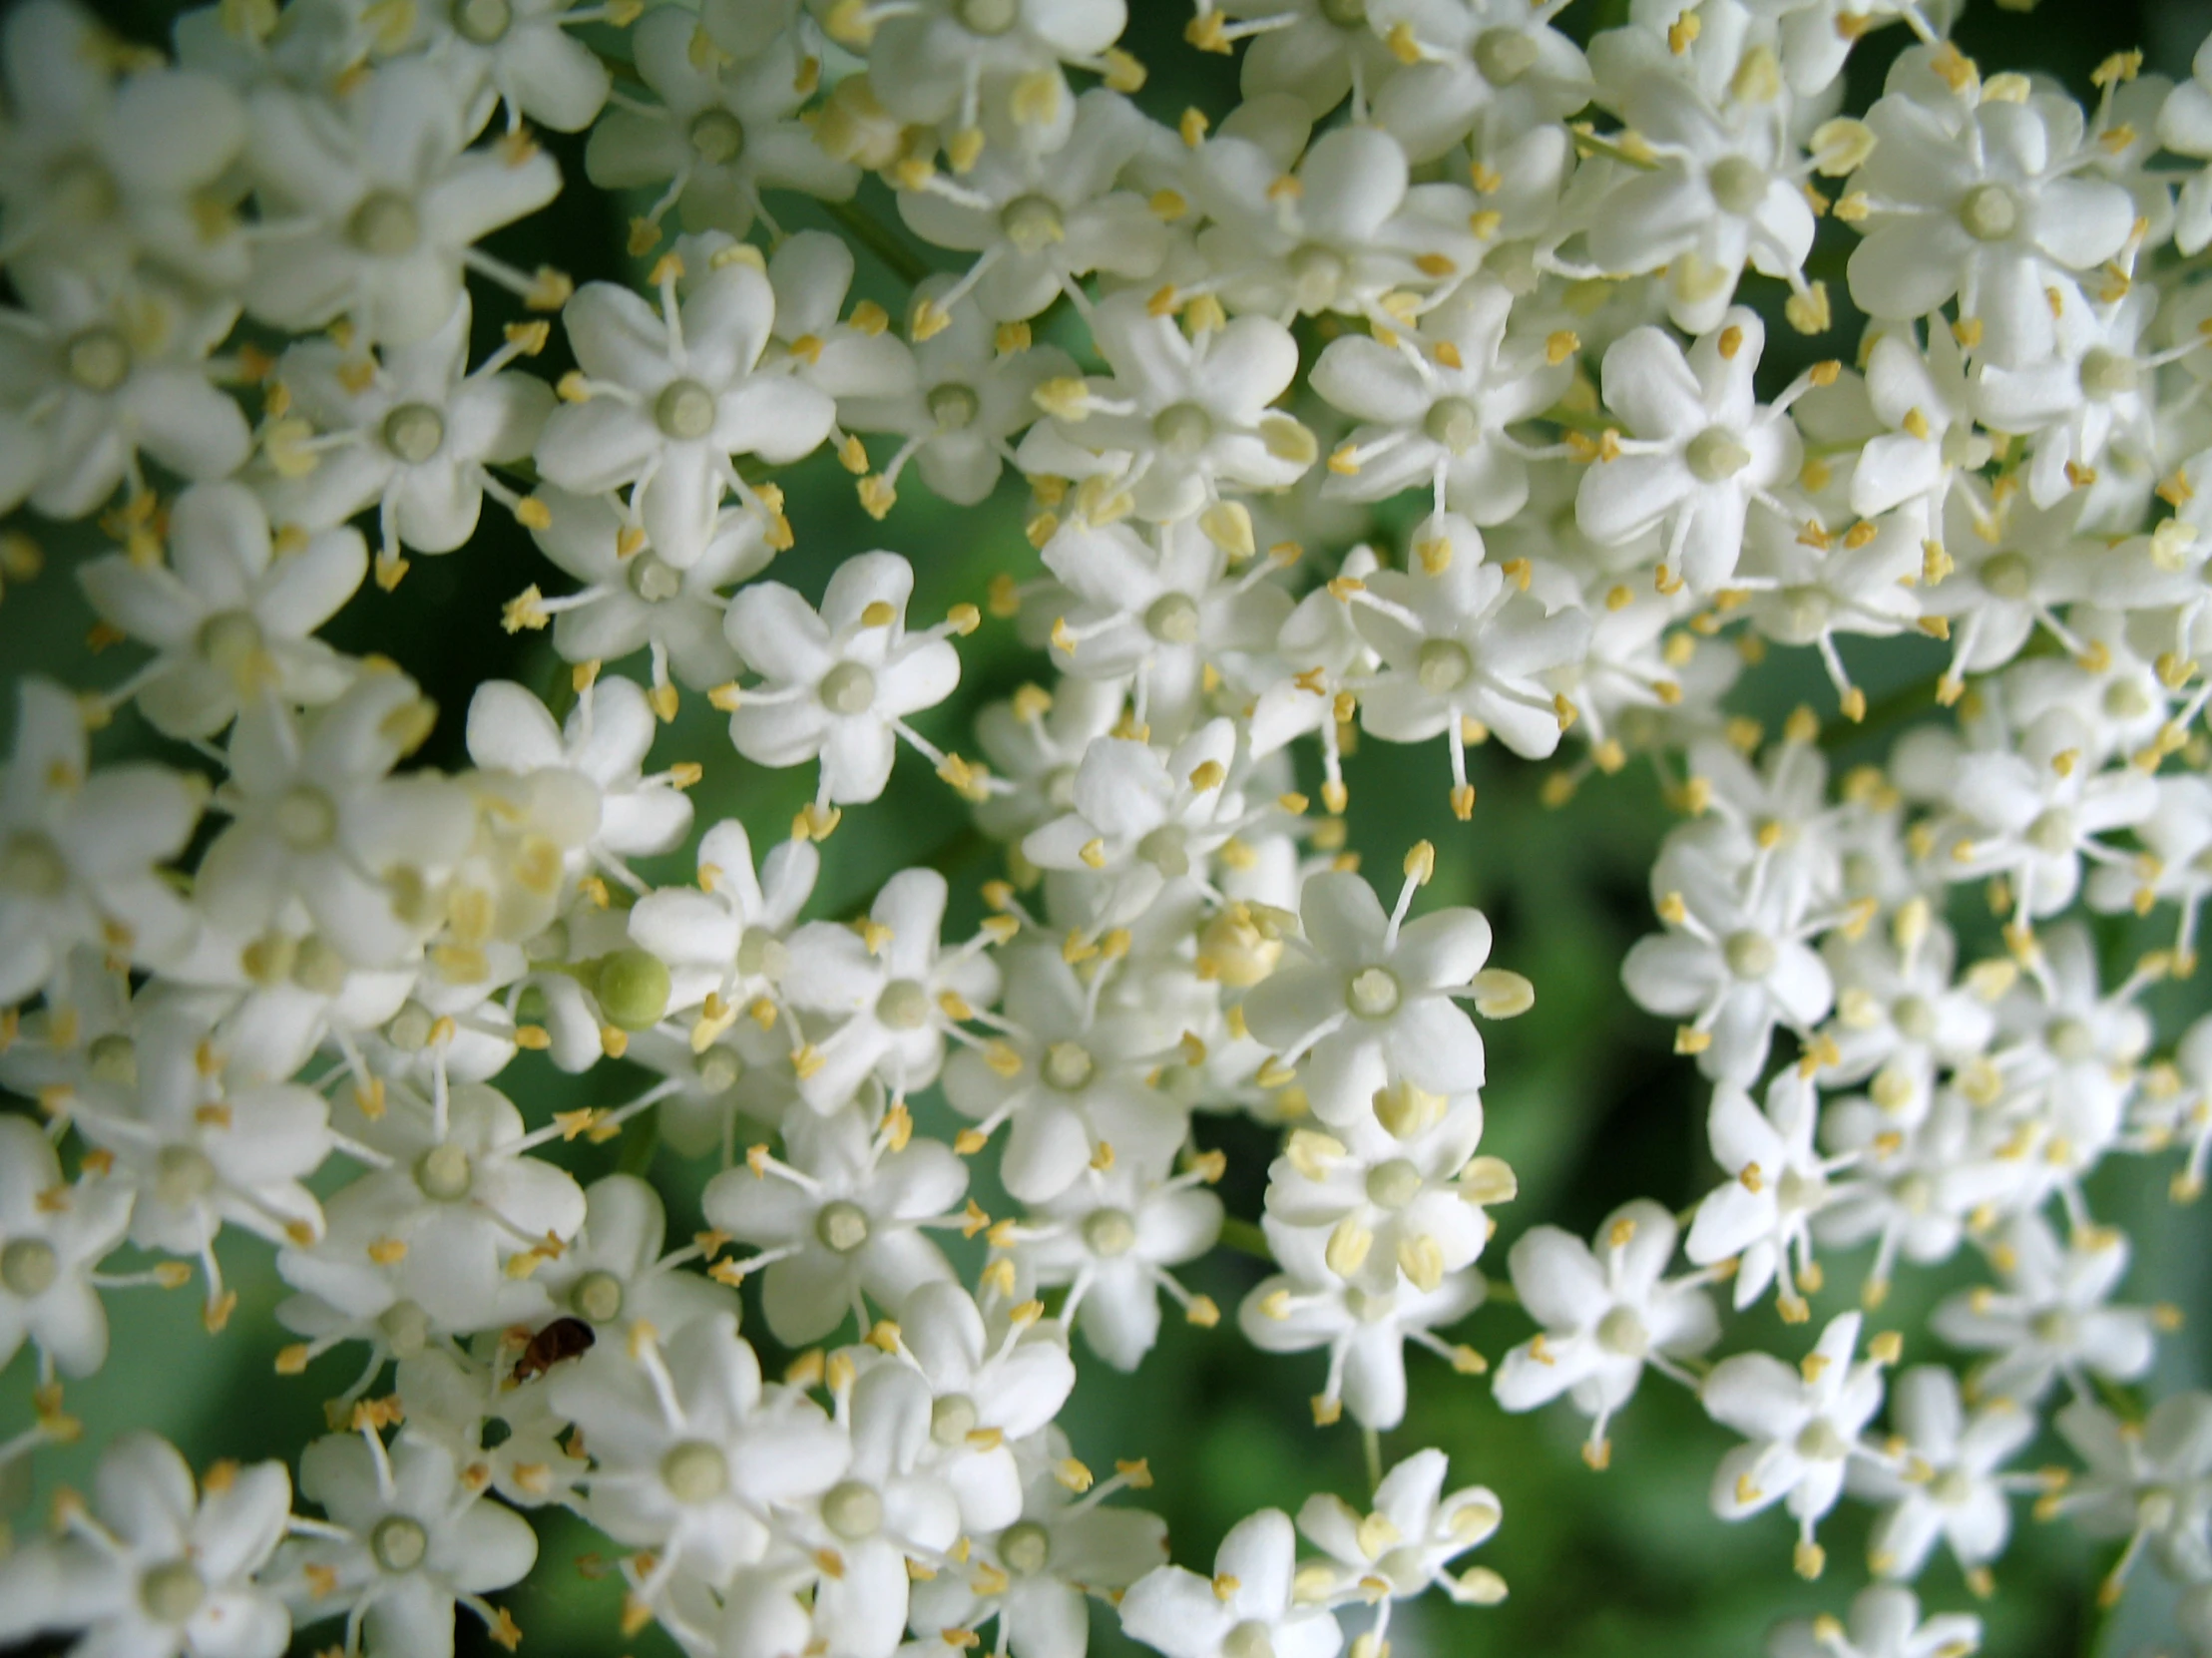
(725, 943)
(407, 1539)
(518, 52)
(98, 380)
(376, 205)
(838, 684)
(1900, 1018)
(202, 1152)
(1802, 1425)
(1606, 1316)
(614, 1271)
(1949, 1488)
(1110, 1238)
(435, 1231)
(1981, 202)
(842, 1218)
(1436, 406)
(52, 1236)
(1404, 1197)
(2148, 1482)
(1142, 821)
(690, 1450)
(106, 158)
(892, 992)
(2050, 1319)
(1247, 1607)
(1405, 1544)
(78, 848)
(1370, 1001)
(944, 60)
(725, 129)
(1923, 395)
(1885, 1623)
(1179, 420)
(995, 1384)
(317, 821)
(2185, 127)
(637, 600)
(1035, 1575)
(669, 399)
(1778, 1183)
(1068, 1078)
(409, 431)
(1702, 450)
(230, 620)
(1308, 1306)
(1485, 71)
(1037, 218)
(1461, 643)
(157, 1568)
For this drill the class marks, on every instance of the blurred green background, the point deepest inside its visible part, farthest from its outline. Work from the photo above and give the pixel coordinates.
(1585, 1098)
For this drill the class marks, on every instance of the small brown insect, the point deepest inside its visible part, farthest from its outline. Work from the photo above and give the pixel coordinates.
(562, 1339)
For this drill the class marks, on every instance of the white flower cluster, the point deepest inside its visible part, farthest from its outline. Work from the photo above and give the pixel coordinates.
(1444, 281)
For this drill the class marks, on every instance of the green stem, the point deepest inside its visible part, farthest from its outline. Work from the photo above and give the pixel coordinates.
(1371, 1445)
(1246, 1239)
(905, 263)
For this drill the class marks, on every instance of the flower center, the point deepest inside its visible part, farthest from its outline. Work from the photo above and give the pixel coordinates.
(2054, 1329)
(718, 137)
(842, 1225)
(319, 967)
(1750, 955)
(1165, 850)
(1032, 222)
(406, 1328)
(952, 1418)
(903, 1005)
(719, 1069)
(1172, 619)
(1182, 429)
(1503, 55)
(2071, 1040)
(482, 22)
(1024, 1547)
(953, 406)
(1951, 1487)
(1991, 213)
(182, 1175)
(1621, 1332)
(2127, 700)
(695, 1471)
(114, 1058)
(1715, 456)
(31, 867)
(987, 17)
(1250, 1639)
(1393, 1184)
(171, 1591)
(28, 1267)
(1109, 1232)
(2053, 832)
(98, 360)
(384, 225)
(399, 1542)
(1796, 1190)
(760, 954)
(230, 643)
(852, 1510)
(443, 1173)
(1318, 275)
(847, 688)
(1442, 666)
(1452, 421)
(2106, 374)
(1738, 185)
(1818, 1442)
(1915, 1018)
(1345, 14)
(307, 821)
(654, 579)
(1372, 993)
(414, 432)
(598, 1295)
(2006, 574)
(685, 410)
(1068, 1065)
